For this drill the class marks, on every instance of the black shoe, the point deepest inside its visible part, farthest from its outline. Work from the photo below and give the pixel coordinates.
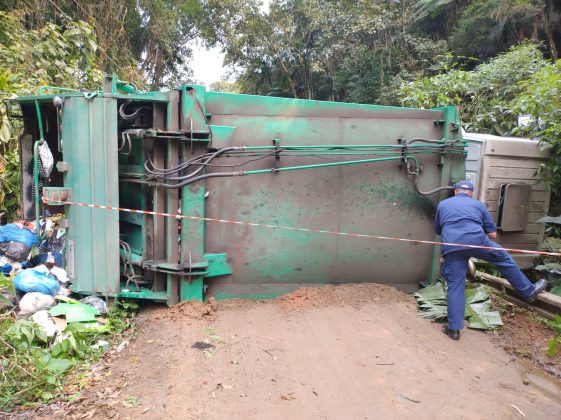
(539, 287)
(453, 334)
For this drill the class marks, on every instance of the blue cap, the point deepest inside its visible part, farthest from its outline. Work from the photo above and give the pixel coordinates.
(464, 185)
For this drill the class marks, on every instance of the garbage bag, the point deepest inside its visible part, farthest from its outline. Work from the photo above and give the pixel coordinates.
(96, 302)
(6, 268)
(12, 232)
(31, 280)
(47, 160)
(34, 301)
(44, 320)
(44, 257)
(7, 265)
(17, 251)
(60, 274)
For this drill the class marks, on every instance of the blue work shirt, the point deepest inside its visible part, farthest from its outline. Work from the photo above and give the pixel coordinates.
(462, 220)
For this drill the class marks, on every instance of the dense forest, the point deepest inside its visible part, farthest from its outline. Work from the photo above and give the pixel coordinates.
(494, 59)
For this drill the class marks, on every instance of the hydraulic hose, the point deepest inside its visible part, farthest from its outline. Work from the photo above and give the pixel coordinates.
(195, 179)
(162, 172)
(431, 192)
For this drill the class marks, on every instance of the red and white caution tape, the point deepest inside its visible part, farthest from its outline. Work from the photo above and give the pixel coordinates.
(329, 232)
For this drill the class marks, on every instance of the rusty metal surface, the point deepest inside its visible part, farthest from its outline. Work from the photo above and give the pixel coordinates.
(375, 198)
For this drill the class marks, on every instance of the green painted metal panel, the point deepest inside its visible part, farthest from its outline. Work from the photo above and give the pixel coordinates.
(376, 198)
(372, 198)
(89, 128)
(218, 265)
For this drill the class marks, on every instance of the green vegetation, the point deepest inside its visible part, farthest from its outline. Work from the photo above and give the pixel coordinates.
(432, 304)
(555, 341)
(51, 55)
(494, 59)
(36, 368)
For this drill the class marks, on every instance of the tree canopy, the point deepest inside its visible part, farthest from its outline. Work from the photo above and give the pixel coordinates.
(493, 59)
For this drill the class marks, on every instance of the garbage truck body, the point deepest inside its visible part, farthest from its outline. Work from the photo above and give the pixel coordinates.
(184, 194)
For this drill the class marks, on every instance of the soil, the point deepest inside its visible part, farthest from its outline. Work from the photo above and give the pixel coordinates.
(345, 352)
(525, 335)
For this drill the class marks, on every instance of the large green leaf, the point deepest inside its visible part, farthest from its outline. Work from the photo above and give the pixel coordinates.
(58, 365)
(549, 219)
(476, 293)
(480, 317)
(550, 267)
(432, 303)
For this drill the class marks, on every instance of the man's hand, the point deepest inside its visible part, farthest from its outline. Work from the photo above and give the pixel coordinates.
(492, 235)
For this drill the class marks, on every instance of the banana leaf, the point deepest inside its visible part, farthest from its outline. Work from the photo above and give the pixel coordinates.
(432, 304)
(549, 219)
(432, 301)
(480, 317)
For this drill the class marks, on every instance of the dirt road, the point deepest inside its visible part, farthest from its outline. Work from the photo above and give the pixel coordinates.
(351, 352)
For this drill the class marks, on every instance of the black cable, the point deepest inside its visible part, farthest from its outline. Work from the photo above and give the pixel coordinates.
(431, 192)
(195, 179)
(236, 164)
(135, 113)
(198, 170)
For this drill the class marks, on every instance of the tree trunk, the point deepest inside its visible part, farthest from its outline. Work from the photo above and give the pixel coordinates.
(551, 10)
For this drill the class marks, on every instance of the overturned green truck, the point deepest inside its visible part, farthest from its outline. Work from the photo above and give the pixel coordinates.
(239, 195)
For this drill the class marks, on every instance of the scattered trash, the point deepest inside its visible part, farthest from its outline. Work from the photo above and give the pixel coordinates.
(122, 346)
(201, 345)
(54, 258)
(15, 250)
(43, 319)
(60, 322)
(8, 266)
(75, 312)
(63, 291)
(34, 301)
(288, 397)
(518, 410)
(34, 280)
(60, 274)
(47, 160)
(42, 268)
(223, 386)
(243, 395)
(16, 232)
(100, 344)
(96, 302)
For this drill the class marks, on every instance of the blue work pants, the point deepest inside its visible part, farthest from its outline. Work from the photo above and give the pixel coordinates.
(454, 270)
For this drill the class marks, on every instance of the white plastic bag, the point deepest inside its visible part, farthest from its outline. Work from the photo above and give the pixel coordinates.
(44, 320)
(60, 274)
(34, 301)
(47, 160)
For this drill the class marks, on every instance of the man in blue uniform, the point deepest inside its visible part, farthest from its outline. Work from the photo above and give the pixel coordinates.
(463, 220)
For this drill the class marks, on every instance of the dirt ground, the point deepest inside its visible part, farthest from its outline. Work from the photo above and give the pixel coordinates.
(346, 352)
